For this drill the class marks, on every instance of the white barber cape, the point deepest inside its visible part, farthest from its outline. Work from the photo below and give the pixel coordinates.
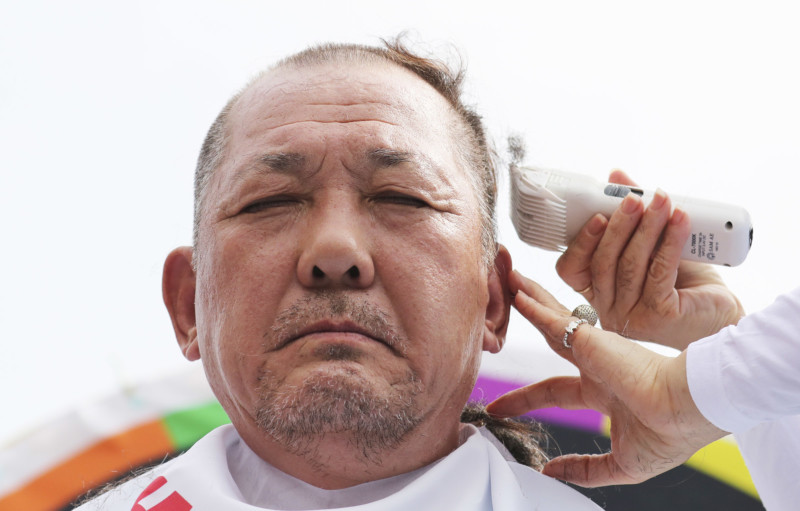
(221, 473)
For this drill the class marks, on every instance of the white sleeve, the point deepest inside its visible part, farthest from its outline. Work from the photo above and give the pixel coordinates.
(746, 379)
(750, 373)
(771, 452)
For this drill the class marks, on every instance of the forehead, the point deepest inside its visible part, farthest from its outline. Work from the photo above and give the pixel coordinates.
(345, 83)
(382, 102)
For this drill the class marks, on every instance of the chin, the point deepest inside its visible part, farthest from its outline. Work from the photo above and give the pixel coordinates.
(338, 398)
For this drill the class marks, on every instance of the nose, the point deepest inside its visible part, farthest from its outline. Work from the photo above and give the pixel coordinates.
(335, 252)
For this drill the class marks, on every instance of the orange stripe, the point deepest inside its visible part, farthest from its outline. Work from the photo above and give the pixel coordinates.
(104, 461)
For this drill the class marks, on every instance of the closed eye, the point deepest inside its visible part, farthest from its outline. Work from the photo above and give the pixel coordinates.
(268, 203)
(401, 199)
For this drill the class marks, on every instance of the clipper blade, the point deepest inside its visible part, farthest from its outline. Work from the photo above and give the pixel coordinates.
(538, 215)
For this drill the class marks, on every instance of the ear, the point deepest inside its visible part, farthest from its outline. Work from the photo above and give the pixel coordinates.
(178, 286)
(498, 309)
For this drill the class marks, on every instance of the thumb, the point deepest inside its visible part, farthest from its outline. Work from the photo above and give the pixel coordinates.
(621, 178)
(561, 391)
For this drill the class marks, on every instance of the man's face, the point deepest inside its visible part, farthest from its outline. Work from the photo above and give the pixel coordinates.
(339, 255)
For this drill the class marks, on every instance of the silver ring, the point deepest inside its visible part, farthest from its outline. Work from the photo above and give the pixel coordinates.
(570, 329)
(586, 312)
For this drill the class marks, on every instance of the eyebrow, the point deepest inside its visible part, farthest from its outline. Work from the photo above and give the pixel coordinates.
(382, 158)
(386, 158)
(390, 157)
(291, 162)
(282, 163)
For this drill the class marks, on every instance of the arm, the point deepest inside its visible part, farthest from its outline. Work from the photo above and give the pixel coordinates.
(750, 374)
(746, 379)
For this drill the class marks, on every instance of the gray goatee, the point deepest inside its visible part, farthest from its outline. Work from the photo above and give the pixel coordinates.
(342, 401)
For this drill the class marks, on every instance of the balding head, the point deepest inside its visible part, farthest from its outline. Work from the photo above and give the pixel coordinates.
(466, 129)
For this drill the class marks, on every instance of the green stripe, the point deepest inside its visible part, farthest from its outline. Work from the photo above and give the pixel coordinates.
(185, 427)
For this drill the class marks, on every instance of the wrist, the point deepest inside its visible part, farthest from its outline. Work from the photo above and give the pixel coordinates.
(696, 429)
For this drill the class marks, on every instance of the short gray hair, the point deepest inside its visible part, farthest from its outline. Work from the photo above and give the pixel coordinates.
(477, 153)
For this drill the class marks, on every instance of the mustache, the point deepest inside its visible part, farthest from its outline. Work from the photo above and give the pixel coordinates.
(332, 305)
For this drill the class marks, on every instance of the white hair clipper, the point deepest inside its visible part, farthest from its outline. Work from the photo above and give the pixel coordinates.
(549, 208)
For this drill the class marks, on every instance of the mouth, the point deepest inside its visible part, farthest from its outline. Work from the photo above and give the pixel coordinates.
(332, 330)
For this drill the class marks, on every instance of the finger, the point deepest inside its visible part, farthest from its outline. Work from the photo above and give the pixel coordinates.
(551, 320)
(551, 323)
(600, 355)
(561, 391)
(621, 227)
(659, 289)
(518, 282)
(635, 259)
(589, 470)
(619, 177)
(575, 264)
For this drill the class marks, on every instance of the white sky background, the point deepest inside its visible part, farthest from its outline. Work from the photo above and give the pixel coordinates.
(103, 107)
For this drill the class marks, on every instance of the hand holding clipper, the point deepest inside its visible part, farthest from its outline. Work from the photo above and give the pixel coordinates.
(548, 209)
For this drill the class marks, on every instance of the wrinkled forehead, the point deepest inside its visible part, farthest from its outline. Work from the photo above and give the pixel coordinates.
(338, 92)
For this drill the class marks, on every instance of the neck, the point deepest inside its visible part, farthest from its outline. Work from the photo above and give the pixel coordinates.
(338, 460)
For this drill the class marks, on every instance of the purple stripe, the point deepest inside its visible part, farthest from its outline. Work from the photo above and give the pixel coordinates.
(487, 389)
